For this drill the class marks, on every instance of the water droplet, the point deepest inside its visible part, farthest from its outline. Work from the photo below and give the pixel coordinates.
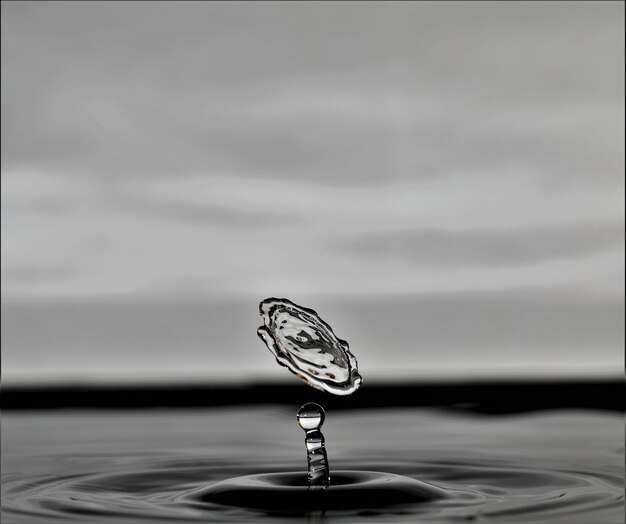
(306, 345)
(311, 416)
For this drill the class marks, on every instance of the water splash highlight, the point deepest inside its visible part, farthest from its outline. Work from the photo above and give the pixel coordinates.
(307, 346)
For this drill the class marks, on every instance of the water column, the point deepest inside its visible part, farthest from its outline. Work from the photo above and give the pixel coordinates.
(311, 417)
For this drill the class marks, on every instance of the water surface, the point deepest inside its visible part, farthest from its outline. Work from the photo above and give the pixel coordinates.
(146, 465)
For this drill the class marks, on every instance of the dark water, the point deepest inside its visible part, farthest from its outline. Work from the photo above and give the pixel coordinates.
(162, 465)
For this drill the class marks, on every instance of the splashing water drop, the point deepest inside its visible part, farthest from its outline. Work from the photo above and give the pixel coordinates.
(311, 417)
(306, 345)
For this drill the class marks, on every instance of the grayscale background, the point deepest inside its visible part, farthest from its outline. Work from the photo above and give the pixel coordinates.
(443, 182)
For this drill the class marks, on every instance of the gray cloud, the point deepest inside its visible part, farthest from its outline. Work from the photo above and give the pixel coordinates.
(456, 249)
(25, 275)
(190, 213)
(337, 92)
(318, 149)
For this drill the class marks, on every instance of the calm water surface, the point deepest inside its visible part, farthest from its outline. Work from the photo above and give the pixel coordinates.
(131, 466)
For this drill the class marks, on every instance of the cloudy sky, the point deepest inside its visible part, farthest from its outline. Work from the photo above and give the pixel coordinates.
(442, 181)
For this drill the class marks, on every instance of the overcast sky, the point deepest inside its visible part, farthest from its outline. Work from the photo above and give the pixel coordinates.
(406, 160)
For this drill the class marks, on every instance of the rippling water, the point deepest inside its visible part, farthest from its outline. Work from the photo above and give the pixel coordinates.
(131, 466)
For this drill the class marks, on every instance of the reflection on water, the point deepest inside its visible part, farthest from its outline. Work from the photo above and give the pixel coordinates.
(112, 466)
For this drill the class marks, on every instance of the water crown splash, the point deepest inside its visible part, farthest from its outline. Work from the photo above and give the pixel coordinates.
(306, 345)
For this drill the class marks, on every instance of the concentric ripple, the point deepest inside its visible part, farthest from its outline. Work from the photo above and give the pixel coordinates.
(512, 477)
(179, 491)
